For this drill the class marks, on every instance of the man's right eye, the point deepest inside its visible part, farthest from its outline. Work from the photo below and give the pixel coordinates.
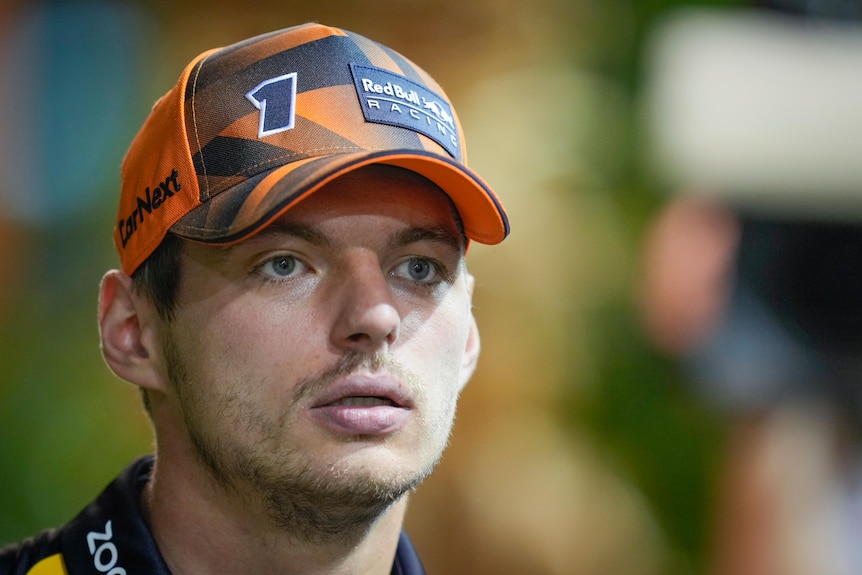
(281, 267)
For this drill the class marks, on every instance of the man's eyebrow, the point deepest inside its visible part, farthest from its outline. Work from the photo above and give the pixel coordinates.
(276, 228)
(438, 234)
(307, 233)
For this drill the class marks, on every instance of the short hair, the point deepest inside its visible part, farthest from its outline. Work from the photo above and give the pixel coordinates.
(158, 278)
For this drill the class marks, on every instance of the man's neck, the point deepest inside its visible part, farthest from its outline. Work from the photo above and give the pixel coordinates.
(201, 528)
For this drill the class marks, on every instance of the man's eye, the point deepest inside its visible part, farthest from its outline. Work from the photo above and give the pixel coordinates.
(418, 270)
(280, 267)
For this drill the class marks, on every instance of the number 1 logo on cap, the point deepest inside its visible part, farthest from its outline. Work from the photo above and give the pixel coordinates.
(276, 100)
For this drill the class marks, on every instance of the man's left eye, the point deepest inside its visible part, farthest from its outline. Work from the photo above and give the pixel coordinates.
(418, 270)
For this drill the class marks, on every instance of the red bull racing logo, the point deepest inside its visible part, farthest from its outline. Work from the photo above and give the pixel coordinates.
(391, 99)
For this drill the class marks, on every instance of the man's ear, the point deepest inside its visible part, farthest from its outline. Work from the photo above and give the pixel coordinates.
(128, 332)
(471, 352)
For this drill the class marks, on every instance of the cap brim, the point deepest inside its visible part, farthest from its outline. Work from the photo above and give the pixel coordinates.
(245, 209)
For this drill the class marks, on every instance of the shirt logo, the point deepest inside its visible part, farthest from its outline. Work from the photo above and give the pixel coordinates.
(276, 100)
(389, 98)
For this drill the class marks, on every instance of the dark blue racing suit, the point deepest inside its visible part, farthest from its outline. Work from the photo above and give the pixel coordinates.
(110, 537)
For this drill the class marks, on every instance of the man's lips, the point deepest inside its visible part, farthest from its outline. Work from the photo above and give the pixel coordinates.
(353, 387)
(363, 401)
(363, 405)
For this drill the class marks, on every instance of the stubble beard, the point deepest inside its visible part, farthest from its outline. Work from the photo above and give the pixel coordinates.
(311, 505)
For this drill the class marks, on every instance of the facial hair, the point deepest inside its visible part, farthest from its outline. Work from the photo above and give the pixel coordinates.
(313, 505)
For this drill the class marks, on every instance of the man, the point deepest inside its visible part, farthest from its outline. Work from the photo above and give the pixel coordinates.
(295, 308)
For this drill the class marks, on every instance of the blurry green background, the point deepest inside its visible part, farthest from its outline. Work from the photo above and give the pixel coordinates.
(577, 448)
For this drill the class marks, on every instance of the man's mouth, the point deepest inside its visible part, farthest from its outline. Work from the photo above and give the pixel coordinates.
(364, 401)
(364, 405)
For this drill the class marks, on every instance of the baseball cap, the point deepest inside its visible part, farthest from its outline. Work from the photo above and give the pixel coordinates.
(253, 128)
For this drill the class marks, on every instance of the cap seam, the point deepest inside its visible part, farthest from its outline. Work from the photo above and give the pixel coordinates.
(195, 125)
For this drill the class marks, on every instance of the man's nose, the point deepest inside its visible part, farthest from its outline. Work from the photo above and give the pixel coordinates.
(367, 318)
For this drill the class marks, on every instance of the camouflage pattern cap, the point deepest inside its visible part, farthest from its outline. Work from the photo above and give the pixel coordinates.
(251, 129)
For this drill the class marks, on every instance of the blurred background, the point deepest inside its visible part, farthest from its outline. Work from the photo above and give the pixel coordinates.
(663, 162)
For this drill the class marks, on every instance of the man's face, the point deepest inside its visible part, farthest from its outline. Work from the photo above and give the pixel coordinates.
(326, 353)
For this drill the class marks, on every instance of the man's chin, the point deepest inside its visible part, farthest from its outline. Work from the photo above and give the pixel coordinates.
(332, 506)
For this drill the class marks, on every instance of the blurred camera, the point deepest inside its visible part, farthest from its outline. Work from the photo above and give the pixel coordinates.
(761, 113)
(809, 277)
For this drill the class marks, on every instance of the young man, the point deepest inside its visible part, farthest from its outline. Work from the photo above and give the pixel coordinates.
(295, 308)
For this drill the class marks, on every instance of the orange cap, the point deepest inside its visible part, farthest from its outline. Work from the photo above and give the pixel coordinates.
(251, 129)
